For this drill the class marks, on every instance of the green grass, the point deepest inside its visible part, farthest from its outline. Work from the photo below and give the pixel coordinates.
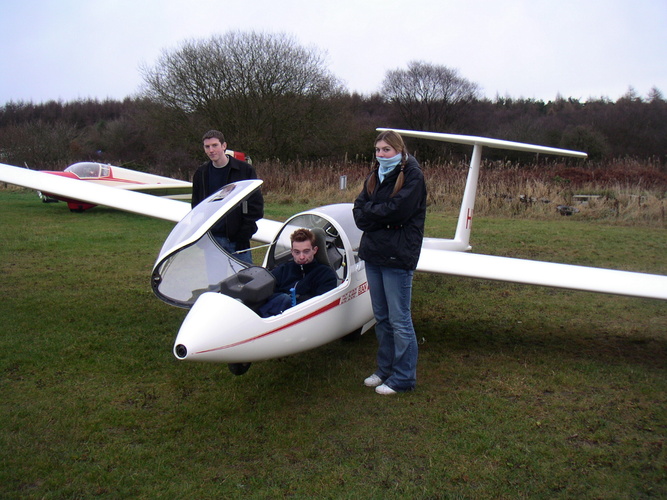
(523, 392)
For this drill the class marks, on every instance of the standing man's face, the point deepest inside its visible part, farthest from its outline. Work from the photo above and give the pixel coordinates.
(216, 151)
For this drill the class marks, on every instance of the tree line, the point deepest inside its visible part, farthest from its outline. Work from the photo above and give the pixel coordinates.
(276, 100)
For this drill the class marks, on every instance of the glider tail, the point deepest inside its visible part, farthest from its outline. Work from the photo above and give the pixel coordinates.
(461, 241)
(464, 225)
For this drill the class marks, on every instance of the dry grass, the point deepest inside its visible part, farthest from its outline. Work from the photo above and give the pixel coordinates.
(627, 191)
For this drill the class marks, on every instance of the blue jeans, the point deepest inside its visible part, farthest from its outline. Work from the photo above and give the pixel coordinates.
(277, 304)
(230, 247)
(391, 294)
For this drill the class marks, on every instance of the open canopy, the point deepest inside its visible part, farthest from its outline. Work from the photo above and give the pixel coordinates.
(191, 262)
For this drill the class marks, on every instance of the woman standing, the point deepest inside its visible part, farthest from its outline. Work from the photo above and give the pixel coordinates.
(391, 210)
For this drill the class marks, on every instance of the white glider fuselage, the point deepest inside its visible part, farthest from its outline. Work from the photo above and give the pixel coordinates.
(219, 328)
(227, 328)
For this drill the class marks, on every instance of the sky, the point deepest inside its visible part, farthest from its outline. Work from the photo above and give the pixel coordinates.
(535, 49)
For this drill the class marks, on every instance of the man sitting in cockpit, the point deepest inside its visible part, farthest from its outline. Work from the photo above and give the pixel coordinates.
(300, 279)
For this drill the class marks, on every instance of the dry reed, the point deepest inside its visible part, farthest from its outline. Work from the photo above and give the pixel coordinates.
(624, 191)
(620, 191)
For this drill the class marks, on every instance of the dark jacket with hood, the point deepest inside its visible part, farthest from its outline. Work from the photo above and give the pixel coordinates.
(393, 226)
(240, 223)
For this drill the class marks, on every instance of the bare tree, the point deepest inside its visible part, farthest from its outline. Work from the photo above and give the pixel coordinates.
(428, 96)
(39, 144)
(264, 90)
(655, 95)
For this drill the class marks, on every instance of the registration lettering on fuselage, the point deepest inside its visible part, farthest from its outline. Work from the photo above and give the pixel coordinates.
(355, 292)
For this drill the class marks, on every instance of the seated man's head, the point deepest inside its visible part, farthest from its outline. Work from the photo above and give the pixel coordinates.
(303, 246)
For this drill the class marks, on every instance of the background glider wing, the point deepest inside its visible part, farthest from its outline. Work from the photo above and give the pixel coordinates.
(129, 201)
(121, 199)
(551, 274)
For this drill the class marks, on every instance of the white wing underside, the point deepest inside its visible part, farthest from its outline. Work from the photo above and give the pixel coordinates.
(96, 194)
(591, 279)
(121, 199)
(473, 140)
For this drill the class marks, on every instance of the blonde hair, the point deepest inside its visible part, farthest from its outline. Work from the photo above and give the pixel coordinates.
(395, 140)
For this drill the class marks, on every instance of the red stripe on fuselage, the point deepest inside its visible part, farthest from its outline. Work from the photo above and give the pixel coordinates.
(107, 178)
(270, 332)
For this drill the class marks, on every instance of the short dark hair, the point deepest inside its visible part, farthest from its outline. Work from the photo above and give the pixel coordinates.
(214, 134)
(303, 235)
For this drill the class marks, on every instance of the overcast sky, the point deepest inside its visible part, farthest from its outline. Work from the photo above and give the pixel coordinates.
(78, 49)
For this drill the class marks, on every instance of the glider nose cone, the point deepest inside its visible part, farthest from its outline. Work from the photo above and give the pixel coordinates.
(214, 327)
(180, 351)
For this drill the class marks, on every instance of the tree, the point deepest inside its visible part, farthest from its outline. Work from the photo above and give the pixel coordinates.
(39, 144)
(264, 91)
(655, 95)
(585, 138)
(428, 96)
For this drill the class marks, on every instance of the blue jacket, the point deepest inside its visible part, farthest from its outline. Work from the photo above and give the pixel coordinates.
(310, 280)
(393, 226)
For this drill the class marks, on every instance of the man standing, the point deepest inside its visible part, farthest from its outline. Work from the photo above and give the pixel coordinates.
(233, 232)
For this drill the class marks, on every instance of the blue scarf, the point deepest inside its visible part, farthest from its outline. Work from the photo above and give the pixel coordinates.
(387, 165)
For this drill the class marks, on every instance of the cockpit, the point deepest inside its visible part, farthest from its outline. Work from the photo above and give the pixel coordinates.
(331, 250)
(89, 170)
(191, 262)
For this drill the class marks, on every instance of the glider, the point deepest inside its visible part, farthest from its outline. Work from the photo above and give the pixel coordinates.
(116, 177)
(223, 294)
(123, 178)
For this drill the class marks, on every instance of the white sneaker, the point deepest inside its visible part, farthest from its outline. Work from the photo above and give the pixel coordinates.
(372, 381)
(385, 390)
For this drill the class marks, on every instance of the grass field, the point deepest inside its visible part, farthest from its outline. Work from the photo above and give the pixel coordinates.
(523, 392)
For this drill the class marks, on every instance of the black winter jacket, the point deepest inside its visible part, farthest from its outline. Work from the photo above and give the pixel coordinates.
(310, 280)
(393, 226)
(240, 223)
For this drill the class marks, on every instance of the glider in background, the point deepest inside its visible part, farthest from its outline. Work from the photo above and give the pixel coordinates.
(119, 178)
(122, 178)
(222, 293)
